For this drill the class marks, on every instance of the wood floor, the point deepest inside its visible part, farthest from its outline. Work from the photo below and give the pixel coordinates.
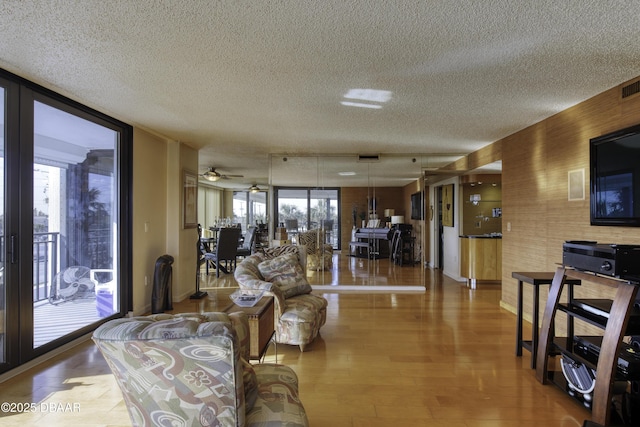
(440, 358)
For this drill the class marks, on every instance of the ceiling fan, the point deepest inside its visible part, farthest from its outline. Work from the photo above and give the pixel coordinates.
(213, 175)
(255, 189)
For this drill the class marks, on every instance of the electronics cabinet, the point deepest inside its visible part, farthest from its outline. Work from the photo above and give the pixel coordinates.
(616, 324)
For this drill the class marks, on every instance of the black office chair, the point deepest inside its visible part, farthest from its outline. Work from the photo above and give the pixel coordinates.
(248, 245)
(225, 251)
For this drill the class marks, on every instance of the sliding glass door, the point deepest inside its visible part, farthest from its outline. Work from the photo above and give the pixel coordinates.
(65, 232)
(74, 223)
(302, 209)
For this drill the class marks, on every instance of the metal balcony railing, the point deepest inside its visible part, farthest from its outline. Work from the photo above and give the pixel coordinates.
(45, 263)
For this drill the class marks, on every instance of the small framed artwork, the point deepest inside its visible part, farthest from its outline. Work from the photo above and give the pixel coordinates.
(447, 205)
(190, 199)
(576, 185)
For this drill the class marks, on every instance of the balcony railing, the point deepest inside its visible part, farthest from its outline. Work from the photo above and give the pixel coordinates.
(96, 250)
(45, 263)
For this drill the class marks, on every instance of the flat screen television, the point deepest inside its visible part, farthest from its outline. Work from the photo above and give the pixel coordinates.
(615, 178)
(416, 205)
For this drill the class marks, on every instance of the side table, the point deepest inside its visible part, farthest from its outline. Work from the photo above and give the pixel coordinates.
(536, 279)
(261, 326)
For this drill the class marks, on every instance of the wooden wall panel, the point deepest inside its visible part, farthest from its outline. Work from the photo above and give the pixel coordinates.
(536, 162)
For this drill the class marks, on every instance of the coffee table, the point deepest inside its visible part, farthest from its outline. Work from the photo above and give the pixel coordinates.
(261, 326)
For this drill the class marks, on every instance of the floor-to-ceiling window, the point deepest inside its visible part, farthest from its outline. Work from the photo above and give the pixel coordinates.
(65, 224)
(250, 208)
(301, 209)
(74, 219)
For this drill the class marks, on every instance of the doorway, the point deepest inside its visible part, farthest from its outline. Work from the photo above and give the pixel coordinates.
(440, 228)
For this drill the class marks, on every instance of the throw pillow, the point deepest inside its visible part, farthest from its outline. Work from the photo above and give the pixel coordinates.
(286, 272)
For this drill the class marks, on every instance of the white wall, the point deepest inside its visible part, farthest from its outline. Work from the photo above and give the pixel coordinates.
(149, 213)
(158, 166)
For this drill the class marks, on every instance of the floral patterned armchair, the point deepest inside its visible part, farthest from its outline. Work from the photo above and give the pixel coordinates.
(280, 272)
(319, 253)
(191, 369)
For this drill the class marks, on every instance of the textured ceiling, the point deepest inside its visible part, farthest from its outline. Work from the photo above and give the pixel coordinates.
(241, 80)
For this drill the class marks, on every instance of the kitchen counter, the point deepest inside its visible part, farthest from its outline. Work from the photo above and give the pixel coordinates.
(481, 258)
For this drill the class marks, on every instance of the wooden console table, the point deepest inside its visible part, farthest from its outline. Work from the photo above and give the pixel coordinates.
(535, 279)
(261, 326)
(615, 326)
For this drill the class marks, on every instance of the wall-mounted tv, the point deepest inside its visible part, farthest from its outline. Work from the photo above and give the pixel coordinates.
(416, 205)
(615, 178)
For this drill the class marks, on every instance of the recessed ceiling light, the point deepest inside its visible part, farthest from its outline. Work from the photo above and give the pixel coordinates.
(372, 97)
(346, 173)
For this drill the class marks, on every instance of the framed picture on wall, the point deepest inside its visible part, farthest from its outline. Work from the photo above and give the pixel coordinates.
(190, 199)
(447, 205)
(576, 184)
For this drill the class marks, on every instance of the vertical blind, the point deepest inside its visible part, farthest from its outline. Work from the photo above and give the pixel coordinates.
(209, 206)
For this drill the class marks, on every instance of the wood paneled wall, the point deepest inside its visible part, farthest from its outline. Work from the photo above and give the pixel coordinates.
(537, 217)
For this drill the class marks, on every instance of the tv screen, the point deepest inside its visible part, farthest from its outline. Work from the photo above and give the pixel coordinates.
(416, 205)
(615, 178)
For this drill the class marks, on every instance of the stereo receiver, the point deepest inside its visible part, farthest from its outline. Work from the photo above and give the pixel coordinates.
(620, 261)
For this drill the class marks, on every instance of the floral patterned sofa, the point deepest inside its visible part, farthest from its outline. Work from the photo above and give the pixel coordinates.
(191, 370)
(280, 272)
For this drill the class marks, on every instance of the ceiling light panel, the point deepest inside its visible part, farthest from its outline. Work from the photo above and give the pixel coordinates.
(372, 95)
(373, 98)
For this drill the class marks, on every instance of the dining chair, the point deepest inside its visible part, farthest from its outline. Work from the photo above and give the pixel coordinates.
(248, 245)
(225, 251)
(291, 225)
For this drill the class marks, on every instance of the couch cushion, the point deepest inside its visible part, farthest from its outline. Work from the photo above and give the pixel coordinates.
(286, 272)
(250, 385)
(278, 401)
(304, 308)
